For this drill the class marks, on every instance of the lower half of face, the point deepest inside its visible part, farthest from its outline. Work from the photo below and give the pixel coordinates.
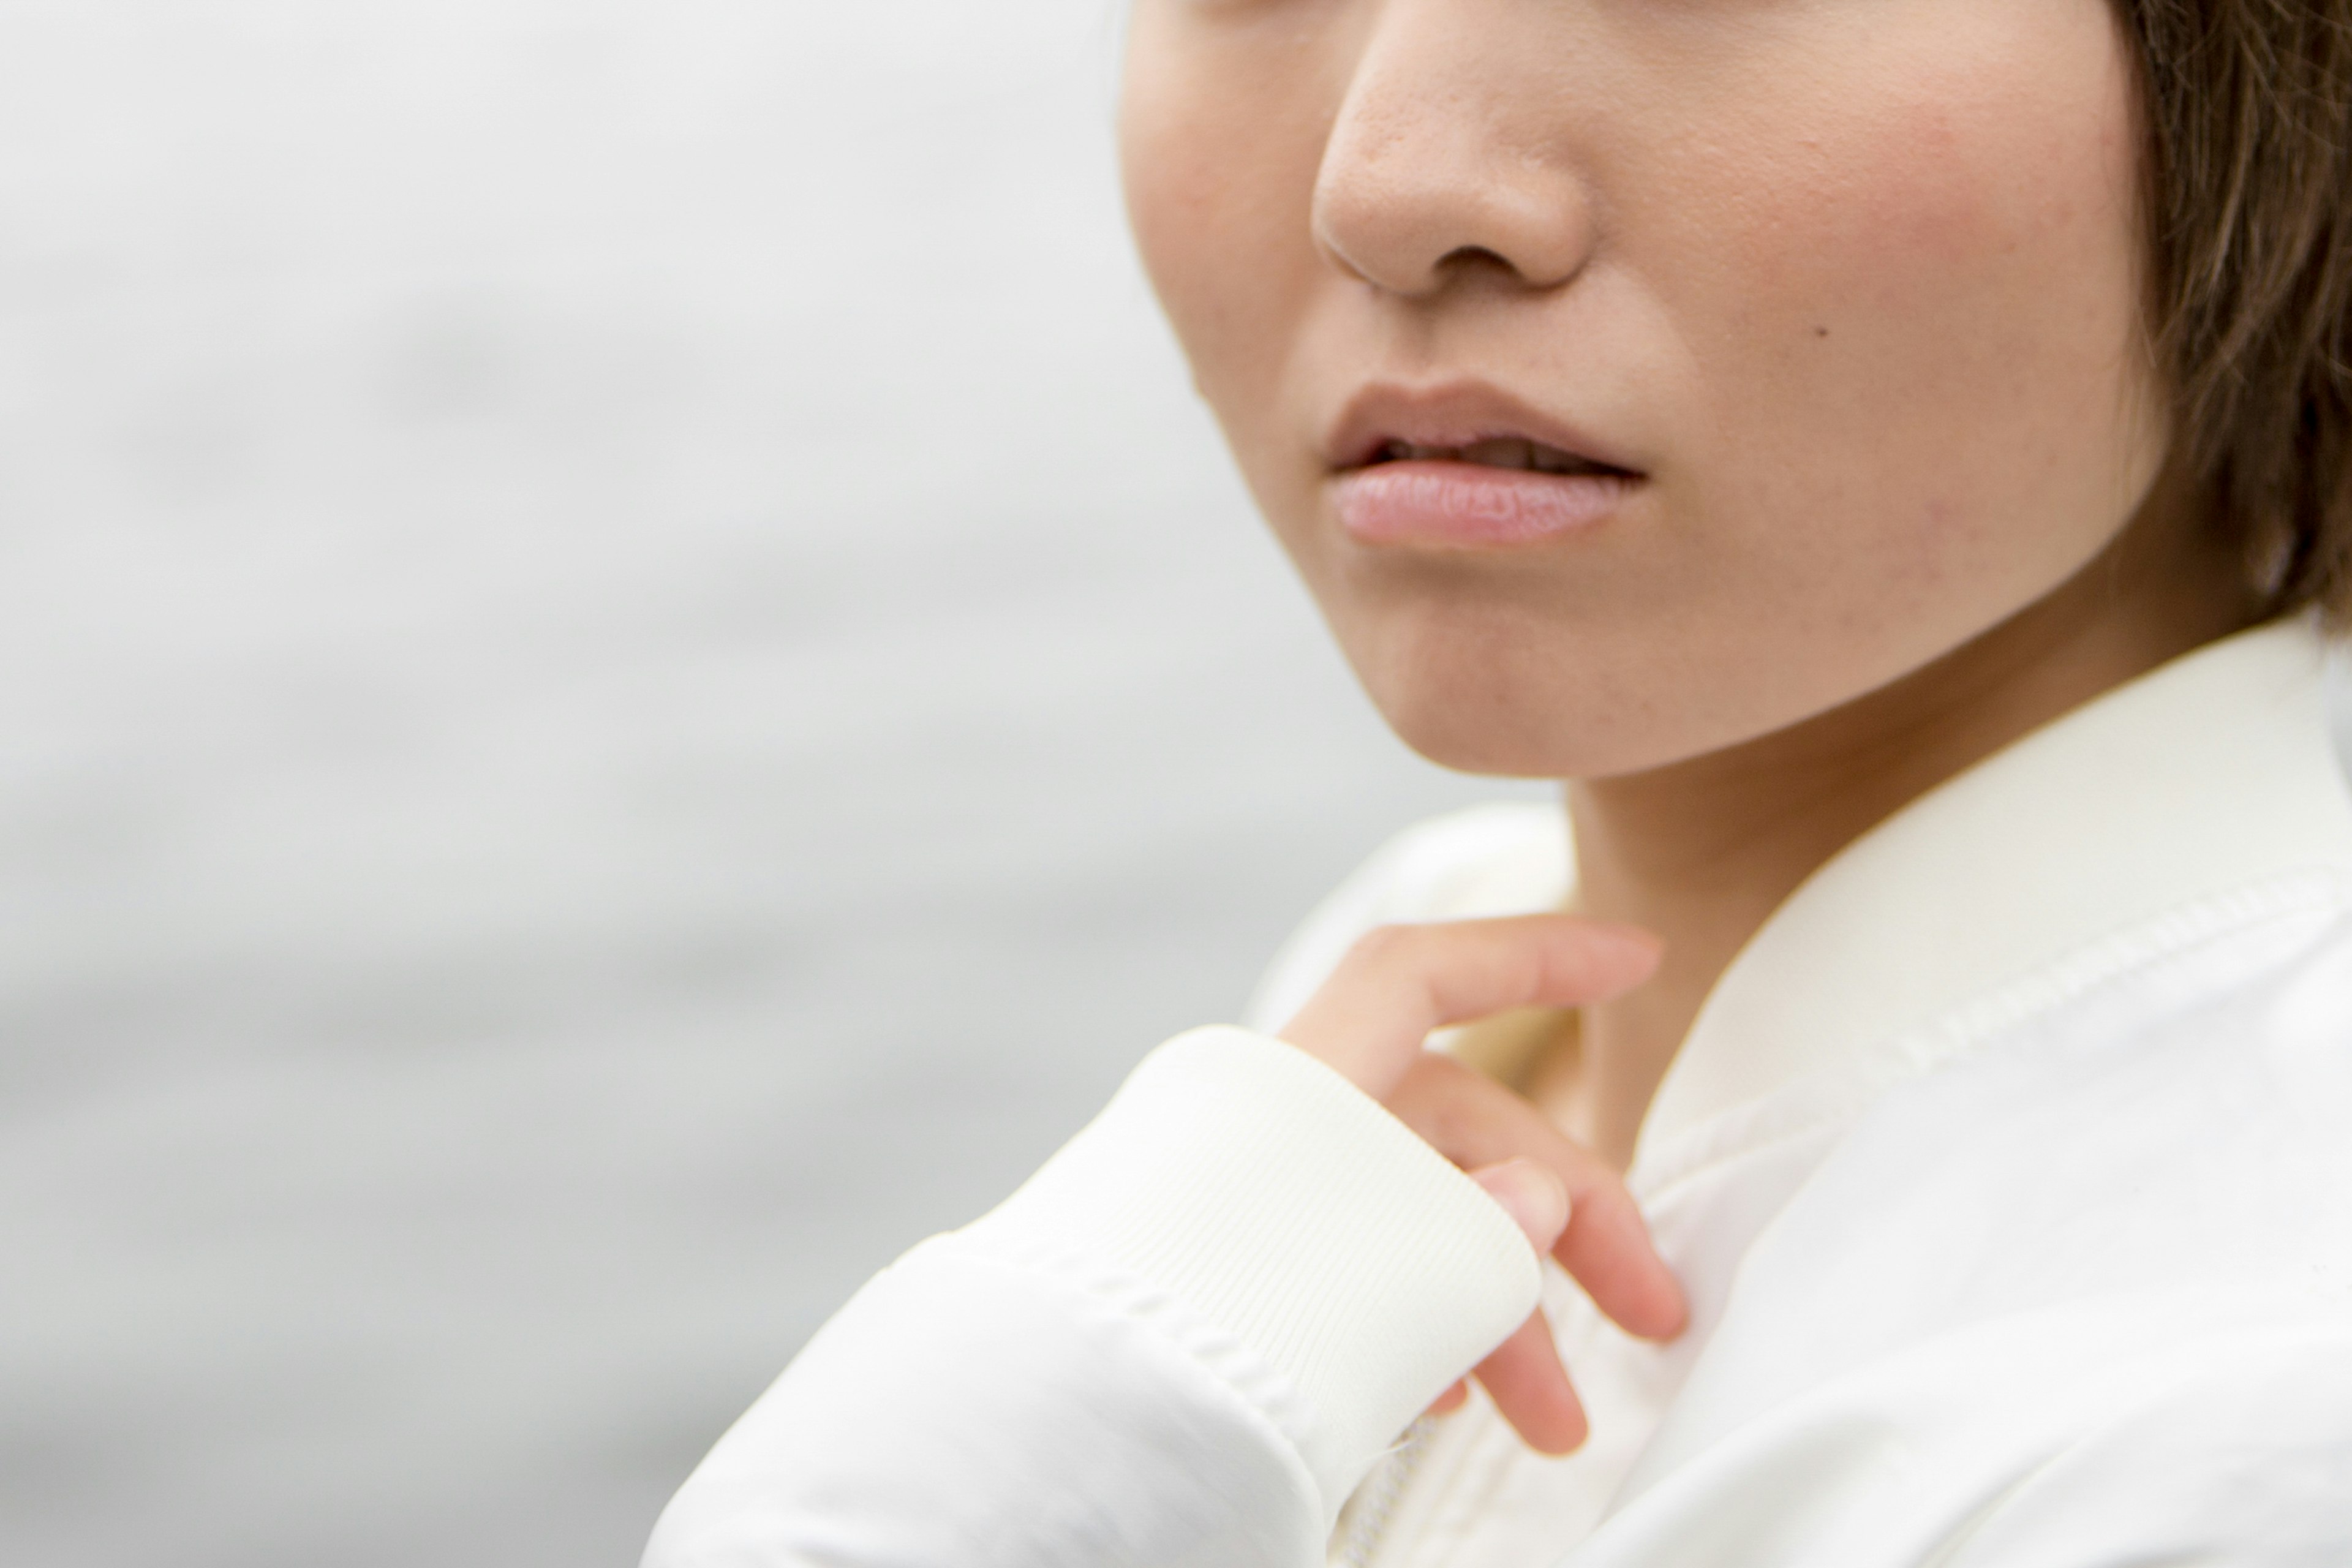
(1823, 318)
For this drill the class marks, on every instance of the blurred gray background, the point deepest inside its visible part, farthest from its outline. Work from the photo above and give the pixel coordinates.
(628, 680)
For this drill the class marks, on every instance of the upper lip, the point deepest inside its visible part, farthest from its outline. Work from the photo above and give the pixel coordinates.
(1453, 415)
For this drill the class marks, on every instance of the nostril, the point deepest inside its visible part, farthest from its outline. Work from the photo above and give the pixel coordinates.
(1468, 258)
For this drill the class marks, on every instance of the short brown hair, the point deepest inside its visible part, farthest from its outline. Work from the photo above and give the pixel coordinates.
(2249, 104)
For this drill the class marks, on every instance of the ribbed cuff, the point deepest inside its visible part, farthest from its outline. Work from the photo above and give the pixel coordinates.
(1291, 1209)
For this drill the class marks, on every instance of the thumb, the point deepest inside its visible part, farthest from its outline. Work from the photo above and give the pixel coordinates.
(1531, 1194)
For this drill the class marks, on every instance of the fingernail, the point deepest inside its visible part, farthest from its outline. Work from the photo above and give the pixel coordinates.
(1532, 1196)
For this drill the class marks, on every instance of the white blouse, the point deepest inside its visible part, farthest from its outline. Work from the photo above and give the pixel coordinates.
(2007, 1170)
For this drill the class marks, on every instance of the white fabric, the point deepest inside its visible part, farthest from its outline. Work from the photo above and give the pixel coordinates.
(2214, 776)
(1286, 1233)
(977, 1405)
(2008, 1171)
(1255, 1184)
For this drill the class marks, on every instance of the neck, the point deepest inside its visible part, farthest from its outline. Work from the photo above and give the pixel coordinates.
(1702, 851)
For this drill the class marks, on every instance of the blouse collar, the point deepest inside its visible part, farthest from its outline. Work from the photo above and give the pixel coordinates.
(2211, 772)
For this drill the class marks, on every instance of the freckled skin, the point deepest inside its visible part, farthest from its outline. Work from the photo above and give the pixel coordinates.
(1856, 282)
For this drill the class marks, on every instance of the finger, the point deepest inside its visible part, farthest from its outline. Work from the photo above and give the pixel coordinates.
(1606, 1246)
(1607, 1249)
(1531, 1390)
(1530, 1194)
(1400, 982)
(1530, 1387)
(1452, 1399)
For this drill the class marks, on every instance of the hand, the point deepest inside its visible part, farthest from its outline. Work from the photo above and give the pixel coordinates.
(1369, 1021)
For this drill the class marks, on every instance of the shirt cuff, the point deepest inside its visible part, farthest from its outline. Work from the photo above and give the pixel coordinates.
(1294, 1211)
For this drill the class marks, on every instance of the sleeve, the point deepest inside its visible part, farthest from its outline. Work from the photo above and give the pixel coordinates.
(1183, 1340)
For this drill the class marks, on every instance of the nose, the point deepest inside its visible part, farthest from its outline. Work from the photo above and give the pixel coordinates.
(1443, 158)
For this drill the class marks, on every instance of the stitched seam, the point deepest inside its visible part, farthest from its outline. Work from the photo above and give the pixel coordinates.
(1129, 1298)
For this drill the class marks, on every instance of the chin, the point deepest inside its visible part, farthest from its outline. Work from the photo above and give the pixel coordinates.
(1470, 746)
(1501, 707)
(1515, 695)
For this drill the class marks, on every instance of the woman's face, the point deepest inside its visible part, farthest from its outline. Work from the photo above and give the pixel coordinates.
(1820, 321)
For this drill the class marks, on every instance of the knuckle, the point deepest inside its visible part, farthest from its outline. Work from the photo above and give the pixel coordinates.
(1451, 1105)
(1419, 1088)
(1445, 1125)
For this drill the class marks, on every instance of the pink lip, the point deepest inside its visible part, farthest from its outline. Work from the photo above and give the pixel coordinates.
(1438, 499)
(1466, 506)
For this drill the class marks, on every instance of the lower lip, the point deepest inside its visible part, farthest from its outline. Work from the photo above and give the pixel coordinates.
(1464, 506)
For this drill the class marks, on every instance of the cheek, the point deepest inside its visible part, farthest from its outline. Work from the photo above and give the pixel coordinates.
(1220, 136)
(1173, 206)
(1926, 328)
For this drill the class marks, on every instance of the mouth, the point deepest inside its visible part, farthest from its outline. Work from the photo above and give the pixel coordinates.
(1467, 421)
(1465, 466)
(1507, 452)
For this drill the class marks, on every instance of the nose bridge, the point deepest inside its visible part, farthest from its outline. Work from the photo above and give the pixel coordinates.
(1438, 150)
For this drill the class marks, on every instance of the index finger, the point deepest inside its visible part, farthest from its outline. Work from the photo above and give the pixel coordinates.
(1369, 1018)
